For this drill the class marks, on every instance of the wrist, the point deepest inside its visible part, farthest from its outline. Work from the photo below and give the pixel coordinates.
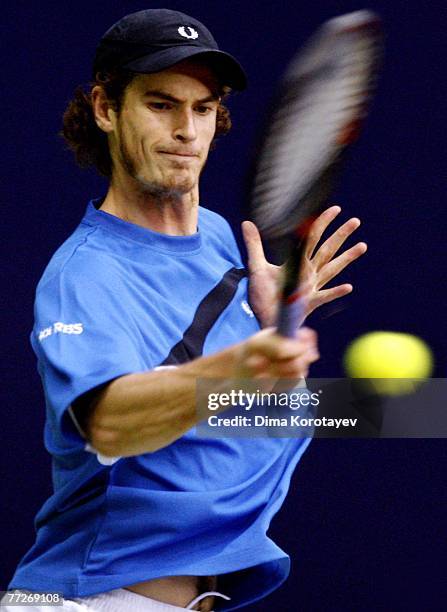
(220, 365)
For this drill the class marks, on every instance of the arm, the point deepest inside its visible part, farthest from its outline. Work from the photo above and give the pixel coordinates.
(144, 412)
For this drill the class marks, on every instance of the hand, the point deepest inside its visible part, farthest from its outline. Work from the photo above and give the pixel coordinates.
(318, 267)
(269, 355)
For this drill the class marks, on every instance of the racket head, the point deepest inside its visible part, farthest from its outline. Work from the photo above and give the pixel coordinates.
(317, 112)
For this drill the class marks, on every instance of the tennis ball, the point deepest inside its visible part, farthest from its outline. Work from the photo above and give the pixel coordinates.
(392, 359)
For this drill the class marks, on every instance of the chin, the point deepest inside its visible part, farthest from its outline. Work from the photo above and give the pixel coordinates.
(168, 189)
(180, 181)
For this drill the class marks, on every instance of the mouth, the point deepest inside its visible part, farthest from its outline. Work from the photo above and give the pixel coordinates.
(184, 155)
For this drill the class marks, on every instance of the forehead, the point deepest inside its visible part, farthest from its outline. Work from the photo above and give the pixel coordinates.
(188, 77)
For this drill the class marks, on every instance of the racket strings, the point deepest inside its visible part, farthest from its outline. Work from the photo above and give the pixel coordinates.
(314, 108)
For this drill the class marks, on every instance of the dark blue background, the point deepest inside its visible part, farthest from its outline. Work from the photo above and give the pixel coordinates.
(364, 521)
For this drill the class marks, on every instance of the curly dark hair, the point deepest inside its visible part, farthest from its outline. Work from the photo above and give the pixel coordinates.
(88, 142)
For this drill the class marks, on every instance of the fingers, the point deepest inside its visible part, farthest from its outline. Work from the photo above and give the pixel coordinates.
(318, 228)
(329, 295)
(269, 355)
(333, 268)
(328, 249)
(298, 367)
(279, 348)
(257, 364)
(253, 243)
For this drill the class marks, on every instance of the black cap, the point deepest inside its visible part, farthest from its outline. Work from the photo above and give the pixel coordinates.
(155, 39)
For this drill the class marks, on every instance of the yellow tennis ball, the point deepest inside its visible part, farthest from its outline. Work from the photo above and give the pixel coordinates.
(393, 359)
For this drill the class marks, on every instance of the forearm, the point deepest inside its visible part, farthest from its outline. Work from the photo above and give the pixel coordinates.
(141, 413)
(144, 412)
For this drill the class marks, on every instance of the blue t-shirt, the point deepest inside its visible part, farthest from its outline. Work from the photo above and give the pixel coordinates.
(116, 299)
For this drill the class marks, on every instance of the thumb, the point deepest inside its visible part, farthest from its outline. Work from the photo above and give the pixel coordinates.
(253, 244)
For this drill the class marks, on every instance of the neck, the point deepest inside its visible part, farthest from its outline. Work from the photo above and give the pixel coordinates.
(171, 213)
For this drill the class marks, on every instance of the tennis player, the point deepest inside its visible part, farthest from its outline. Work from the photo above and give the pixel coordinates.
(146, 296)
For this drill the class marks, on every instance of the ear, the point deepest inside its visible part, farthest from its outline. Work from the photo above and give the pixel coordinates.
(102, 110)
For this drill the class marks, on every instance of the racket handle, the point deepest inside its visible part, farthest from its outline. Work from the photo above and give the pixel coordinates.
(291, 313)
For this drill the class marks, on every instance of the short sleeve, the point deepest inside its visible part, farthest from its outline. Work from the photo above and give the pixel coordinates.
(84, 337)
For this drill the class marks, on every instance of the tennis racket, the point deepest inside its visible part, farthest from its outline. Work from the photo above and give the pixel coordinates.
(316, 115)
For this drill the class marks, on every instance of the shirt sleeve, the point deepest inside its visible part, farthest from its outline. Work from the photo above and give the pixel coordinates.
(84, 336)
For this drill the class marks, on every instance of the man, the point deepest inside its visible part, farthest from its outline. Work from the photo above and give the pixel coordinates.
(147, 296)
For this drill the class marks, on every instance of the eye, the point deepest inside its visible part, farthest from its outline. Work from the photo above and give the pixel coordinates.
(204, 110)
(160, 106)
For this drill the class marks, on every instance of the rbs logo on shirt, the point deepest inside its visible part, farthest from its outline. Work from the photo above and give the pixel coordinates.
(61, 328)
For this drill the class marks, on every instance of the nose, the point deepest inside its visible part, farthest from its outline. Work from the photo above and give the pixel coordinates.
(185, 127)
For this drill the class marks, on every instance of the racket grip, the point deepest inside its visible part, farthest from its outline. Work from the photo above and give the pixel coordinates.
(290, 315)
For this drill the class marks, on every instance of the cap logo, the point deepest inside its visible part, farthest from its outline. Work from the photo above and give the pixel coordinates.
(187, 32)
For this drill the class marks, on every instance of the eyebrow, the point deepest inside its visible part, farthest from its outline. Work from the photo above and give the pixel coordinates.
(158, 93)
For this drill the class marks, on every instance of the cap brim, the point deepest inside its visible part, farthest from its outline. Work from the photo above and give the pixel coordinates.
(227, 68)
